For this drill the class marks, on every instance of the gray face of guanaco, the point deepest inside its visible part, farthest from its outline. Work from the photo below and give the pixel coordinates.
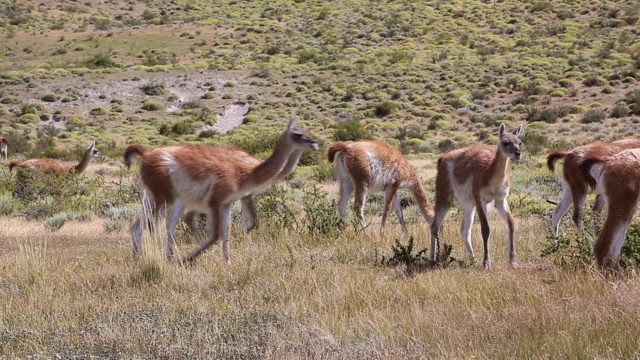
(93, 151)
(302, 139)
(510, 142)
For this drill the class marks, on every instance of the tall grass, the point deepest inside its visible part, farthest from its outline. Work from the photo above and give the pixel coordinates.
(72, 293)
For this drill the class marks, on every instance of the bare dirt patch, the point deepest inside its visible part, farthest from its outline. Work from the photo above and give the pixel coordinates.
(89, 91)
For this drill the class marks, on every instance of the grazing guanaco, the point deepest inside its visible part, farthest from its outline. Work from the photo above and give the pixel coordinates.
(576, 179)
(207, 179)
(371, 166)
(618, 182)
(53, 166)
(475, 176)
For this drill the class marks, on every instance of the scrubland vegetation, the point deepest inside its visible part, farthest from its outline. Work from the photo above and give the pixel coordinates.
(424, 76)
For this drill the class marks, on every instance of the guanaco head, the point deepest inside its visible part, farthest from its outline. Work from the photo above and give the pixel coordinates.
(298, 138)
(92, 151)
(510, 142)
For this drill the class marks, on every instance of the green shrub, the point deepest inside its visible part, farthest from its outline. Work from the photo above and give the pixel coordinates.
(446, 145)
(273, 204)
(56, 221)
(578, 109)
(209, 95)
(320, 214)
(541, 5)
(633, 99)
(152, 105)
(207, 134)
(255, 144)
(536, 141)
(47, 196)
(385, 108)
(28, 119)
(608, 90)
(100, 61)
(31, 108)
(76, 123)
(7, 204)
(594, 81)
(351, 130)
(184, 127)
(419, 261)
(324, 171)
(620, 111)
(305, 56)
(117, 218)
(116, 108)
(457, 103)
(153, 89)
(548, 114)
(96, 111)
(250, 119)
(52, 97)
(593, 116)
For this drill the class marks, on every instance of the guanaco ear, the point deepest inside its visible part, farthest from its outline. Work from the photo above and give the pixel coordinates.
(518, 130)
(292, 124)
(503, 128)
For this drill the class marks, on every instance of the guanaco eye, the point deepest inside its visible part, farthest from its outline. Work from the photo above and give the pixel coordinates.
(298, 135)
(505, 143)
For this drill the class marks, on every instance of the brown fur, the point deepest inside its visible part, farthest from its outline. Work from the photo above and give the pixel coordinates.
(132, 150)
(618, 181)
(475, 176)
(208, 178)
(389, 172)
(577, 177)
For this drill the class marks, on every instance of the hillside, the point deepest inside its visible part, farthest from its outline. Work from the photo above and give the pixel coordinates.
(427, 76)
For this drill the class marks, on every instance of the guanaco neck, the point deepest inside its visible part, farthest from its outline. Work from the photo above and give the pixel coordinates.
(273, 166)
(499, 169)
(423, 202)
(292, 161)
(83, 163)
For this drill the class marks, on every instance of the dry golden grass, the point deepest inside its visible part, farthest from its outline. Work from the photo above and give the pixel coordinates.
(76, 292)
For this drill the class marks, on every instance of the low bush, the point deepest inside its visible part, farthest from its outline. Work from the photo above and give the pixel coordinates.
(152, 105)
(28, 119)
(153, 89)
(351, 130)
(99, 61)
(620, 111)
(385, 108)
(418, 261)
(96, 111)
(52, 97)
(593, 116)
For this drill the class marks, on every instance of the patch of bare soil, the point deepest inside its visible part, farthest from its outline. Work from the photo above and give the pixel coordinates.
(231, 117)
(94, 90)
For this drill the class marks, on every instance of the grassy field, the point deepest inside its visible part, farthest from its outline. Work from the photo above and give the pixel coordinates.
(425, 76)
(75, 293)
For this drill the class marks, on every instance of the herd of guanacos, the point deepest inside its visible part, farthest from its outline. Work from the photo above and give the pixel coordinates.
(209, 179)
